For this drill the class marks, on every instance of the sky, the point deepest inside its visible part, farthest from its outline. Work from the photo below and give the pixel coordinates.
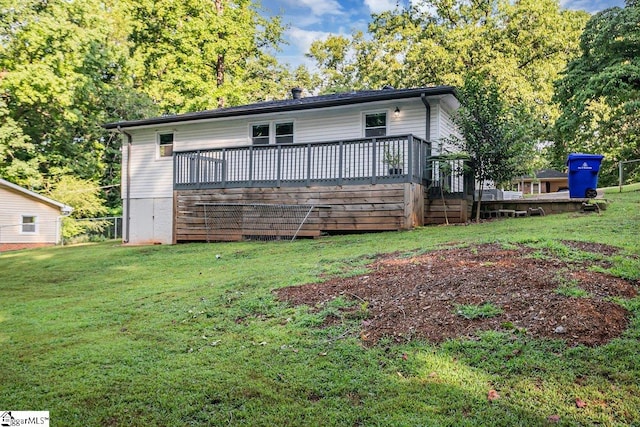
(310, 20)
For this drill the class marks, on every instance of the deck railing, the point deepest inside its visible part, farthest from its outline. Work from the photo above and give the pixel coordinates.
(362, 161)
(450, 176)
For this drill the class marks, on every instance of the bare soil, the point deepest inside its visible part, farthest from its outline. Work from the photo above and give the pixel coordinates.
(417, 297)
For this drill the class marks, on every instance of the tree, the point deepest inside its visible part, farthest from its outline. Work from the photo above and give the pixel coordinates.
(84, 197)
(599, 92)
(520, 44)
(494, 134)
(18, 163)
(64, 74)
(194, 55)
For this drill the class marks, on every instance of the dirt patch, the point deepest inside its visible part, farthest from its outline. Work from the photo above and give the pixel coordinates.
(418, 297)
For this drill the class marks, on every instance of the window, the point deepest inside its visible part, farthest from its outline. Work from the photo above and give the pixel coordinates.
(375, 124)
(284, 133)
(165, 141)
(268, 133)
(260, 134)
(28, 224)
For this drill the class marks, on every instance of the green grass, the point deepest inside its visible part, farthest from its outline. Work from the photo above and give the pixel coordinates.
(101, 334)
(473, 311)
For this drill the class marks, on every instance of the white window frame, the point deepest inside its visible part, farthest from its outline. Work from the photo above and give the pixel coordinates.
(293, 131)
(159, 146)
(34, 223)
(268, 138)
(370, 113)
(272, 131)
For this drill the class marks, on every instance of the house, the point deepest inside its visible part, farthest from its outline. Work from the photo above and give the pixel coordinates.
(28, 219)
(544, 181)
(357, 160)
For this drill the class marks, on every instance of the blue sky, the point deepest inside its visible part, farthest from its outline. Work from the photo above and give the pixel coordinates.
(310, 20)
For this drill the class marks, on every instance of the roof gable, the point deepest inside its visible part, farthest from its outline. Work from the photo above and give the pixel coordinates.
(295, 104)
(65, 209)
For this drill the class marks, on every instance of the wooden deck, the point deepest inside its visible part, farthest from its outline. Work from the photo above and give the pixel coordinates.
(354, 208)
(353, 181)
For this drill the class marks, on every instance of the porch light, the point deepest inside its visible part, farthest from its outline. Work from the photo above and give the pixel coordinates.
(396, 112)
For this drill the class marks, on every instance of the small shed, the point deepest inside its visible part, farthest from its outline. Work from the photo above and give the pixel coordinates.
(28, 219)
(544, 181)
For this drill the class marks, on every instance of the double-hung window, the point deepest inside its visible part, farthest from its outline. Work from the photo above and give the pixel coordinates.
(165, 144)
(260, 134)
(284, 133)
(28, 224)
(269, 133)
(375, 124)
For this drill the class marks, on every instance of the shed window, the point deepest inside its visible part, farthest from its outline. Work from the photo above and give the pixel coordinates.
(165, 144)
(28, 224)
(284, 133)
(375, 124)
(260, 134)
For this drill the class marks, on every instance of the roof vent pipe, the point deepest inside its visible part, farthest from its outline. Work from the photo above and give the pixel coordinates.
(296, 93)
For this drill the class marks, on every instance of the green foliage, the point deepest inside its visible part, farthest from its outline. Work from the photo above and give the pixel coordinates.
(18, 162)
(193, 55)
(495, 135)
(64, 74)
(520, 45)
(599, 92)
(84, 197)
(473, 311)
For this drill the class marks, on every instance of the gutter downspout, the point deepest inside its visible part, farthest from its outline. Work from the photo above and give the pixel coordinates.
(128, 198)
(427, 133)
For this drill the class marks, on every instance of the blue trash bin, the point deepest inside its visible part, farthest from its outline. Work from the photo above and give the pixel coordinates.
(583, 174)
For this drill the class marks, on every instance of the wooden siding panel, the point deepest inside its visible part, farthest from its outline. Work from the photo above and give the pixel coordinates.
(349, 208)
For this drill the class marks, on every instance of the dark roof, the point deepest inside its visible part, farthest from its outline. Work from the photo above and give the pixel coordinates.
(305, 103)
(547, 174)
(550, 173)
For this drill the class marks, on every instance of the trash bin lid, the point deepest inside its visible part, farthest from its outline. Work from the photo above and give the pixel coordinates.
(584, 156)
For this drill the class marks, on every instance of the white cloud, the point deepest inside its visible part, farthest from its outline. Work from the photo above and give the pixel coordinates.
(302, 39)
(322, 7)
(378, 6)
(590, 5)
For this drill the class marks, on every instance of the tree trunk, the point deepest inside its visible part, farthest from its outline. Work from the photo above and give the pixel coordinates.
(479, 201)
(220, 69)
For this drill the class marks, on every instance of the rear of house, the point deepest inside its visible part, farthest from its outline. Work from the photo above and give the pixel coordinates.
(28, 219)
(359, 157)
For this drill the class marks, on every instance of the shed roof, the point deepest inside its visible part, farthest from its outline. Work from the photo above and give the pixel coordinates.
(304, 103)
(63, 208)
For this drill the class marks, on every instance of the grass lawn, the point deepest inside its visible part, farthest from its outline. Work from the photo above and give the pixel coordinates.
(102, 334)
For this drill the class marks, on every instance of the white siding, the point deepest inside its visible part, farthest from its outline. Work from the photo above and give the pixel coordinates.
(152, 177)
(13, 205)
(447, 127)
